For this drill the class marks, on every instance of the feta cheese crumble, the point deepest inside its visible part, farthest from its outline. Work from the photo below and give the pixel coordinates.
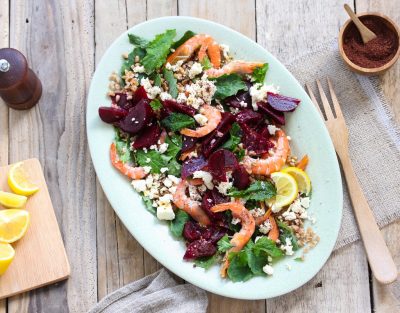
(195, 70)
(223, 187)
(201, 119)
(258, 92)
(152, 91)
(272, 129)
(268, 269)
(206, 177)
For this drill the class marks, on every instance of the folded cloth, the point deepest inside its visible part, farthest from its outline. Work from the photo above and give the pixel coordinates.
(373, 134)
(158, 292)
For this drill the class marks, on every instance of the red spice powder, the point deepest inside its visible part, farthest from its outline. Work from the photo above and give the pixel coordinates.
(376, 52)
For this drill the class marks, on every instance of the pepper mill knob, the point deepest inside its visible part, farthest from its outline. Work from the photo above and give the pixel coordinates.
(20, 88)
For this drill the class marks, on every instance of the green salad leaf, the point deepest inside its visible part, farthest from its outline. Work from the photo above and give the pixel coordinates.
(224, 244)
(259, 190)
(228, 85)
(177, 224)
(156, 77)
(205, 63)
(123, 147)
(152, 158)
(234, 137)
(268, 246)
(149, 205)
(174, 168)
(177, 121)
(157, 51)
(186, 36)
(140, 52)
(206, 262)
(239, 269)
(286, 232)
(259, 73)
(156, 104)
(240, 153)
(138, 41)
(174, 145)
(172, 83)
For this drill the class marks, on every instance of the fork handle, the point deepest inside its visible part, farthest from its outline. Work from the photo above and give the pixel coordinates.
(378, 254)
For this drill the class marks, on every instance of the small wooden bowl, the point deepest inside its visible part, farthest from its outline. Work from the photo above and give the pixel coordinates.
(364, 70)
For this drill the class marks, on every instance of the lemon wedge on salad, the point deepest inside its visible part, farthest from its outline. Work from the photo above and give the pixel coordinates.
(13, 224)
(301, 177)
(286, 189)
(7, 254)
(19, 181)
(12, 201)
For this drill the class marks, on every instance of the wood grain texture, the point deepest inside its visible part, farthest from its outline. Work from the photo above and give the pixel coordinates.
(54, 132)
(277, 31)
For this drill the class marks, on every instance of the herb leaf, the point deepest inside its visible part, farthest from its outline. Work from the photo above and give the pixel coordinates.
(286, 232)
(177, 224)
(177, 121)
(206, 262)
(228, 85)
(123, 148)
(138, 41)
(157, 51)
(264, 244)
(258, 190)
(186, 36)
(153, 159)
(172, 83)
(259, 73)
(234, 139)
(224, 244)
(156, 104)
(140, 52)
(239, 269)
(174, 145)
(205, 63)
(149, 205)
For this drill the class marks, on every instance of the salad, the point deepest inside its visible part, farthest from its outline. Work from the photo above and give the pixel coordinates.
(200, 136)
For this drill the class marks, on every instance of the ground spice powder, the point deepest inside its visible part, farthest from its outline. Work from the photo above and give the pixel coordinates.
(376, 52)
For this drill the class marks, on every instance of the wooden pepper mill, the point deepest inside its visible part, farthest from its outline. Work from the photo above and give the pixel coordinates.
(20, 88)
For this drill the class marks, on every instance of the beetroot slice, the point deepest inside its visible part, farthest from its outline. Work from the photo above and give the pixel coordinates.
(139, 94)
(213, 233)
(147, 137)
(111, 114)
(188, 143)
(249, 117)
(174, 106)
(254, 141)
(241, 179)
(192, 231)
(282, 103)
(138, 117)
(192, 165)
(220, 162)
(277, 116)
(199, 248)
(211, 198)
(122, 102)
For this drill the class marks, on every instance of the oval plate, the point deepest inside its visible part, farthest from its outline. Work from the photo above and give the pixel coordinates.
(308, 133)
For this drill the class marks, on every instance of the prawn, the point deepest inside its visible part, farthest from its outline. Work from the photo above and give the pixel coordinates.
(273, 163)
(207, 46)
(240, 239)
(237, 66)
(183, 202)
(127, 170)
(213, 118)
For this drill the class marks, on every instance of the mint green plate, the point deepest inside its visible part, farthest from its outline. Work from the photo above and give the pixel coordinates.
(308, 133)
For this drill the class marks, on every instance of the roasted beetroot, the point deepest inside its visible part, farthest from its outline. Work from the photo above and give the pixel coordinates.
(249, 117)
(192, 165)
(147, 137)
(138, 117)
(211, 198)
(254, 141)
(220, 162)
(111, 114)
(213, 233)
(199, 248)
(219, 135)
(277, 116)
(241, 179)
(174, 106)
(192, 231)
(188, 143)
(139, 94)
(120, 99)
(282, 103)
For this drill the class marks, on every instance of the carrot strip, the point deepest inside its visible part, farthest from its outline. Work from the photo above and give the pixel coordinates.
(274, 232)
(302, 164)
(195, 181)
(261, 219)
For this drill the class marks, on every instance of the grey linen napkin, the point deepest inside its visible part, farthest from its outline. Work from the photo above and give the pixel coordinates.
(158, 292)
(374, 136)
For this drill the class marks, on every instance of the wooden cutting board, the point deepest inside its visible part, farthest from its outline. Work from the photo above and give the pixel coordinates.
(40, 257)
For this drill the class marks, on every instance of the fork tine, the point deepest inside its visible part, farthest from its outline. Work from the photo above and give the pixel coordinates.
(335, 101)
(311, 94)
(325, 102)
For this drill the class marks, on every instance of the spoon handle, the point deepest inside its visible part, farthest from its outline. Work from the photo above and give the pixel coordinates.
(366, 33)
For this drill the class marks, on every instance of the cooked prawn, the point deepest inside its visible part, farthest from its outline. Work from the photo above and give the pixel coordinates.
(240, 239)
(127, 170)
(193, 208)
(237, 66)
(207, 46)
(213, 116)
(273, 163)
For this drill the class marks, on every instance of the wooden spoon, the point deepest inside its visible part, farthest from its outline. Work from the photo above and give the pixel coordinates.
(366, 34)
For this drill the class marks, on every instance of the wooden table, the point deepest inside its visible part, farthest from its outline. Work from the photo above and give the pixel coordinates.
(64, 40)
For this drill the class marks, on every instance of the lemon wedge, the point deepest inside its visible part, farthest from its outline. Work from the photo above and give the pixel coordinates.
(286, 189)
(301, 177)
(19, 180)
(7, 254)
(11, 200)
(13, 224)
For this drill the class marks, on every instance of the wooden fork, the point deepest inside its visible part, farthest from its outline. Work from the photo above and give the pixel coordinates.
(378, 254)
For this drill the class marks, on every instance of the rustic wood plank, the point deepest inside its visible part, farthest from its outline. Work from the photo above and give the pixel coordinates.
(240, 17)
(54, 132)
(387, 298)
(285, 28)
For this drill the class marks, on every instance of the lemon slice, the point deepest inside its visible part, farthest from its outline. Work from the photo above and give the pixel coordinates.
(11, 200)
(13, 224)
(7, 254)
(19, 181)
(286, 189)
(301, 177)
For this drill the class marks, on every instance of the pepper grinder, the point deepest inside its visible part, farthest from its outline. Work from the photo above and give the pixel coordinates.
(20, 88)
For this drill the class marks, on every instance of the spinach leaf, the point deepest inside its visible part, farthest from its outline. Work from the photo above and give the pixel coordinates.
(123, 148)
(205, 63)
(299, 259)
(177, 224)
(156, 77)
(153, 159)
(228, 85)
(234, 139)
(259, 73)
(174, 168)
(140, 52)
(157, 51)
(239, 269)
(156, 104)
(258, 190)
(172, 83)
(255, 261)
(186, 36)
(174, 145)
(206, 262)
(138, 41)
(177, 121)
(224, 244)
(149, 205)
(264, 244)
(286, 232)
